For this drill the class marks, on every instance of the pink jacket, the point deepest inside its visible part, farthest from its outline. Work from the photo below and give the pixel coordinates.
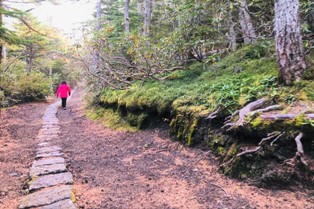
(63, 91)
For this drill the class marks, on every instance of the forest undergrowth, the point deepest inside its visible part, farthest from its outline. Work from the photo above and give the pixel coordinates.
(214, 107)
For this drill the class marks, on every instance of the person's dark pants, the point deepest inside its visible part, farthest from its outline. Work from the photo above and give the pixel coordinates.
(64, 102)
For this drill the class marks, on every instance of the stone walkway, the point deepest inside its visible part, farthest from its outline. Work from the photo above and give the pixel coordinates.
(50, 186)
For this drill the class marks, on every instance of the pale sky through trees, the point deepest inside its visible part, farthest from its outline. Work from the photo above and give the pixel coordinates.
(65, 16)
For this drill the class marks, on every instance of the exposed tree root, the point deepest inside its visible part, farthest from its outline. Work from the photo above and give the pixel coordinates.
(299, 155)
(246, 151)
(266, 109)
(282, 117)
(213, 114)
(250, 109)
(270, 136)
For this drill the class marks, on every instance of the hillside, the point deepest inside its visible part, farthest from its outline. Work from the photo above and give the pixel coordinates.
(234, 107)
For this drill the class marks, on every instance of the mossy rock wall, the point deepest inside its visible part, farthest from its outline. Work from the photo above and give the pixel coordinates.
(189, 128)
(267, 166)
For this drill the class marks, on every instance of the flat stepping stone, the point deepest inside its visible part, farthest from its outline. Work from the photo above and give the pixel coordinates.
(63, 204)
(46, 196)
(50, 122)
(46, 138)
(47, 169)
(51, 180)
(49, 154)
(48, 161)
(47, 135)
(50, 126)
(43, 144)
(47, 149)
(49, 130)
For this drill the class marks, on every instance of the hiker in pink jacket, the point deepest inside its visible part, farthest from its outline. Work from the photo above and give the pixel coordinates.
(63, 92)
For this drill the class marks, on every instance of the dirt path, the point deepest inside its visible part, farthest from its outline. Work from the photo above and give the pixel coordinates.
(19, 127)
(132, 170)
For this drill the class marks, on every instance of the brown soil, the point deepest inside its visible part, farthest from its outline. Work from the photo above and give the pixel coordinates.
(19, 127)
(115, 169)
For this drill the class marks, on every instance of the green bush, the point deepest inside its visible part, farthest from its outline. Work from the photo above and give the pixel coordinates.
(33, 87)
(18, 87)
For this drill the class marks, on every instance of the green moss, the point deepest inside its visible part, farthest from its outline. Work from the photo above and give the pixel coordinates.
(300, 120)
(257, 122)
(109, 118)
(221, 150)
(231, 152)
(191, 131)
(136, 120)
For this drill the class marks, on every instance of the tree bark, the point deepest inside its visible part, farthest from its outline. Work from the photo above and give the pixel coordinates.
(288, 38)
(148, 16)
(248, 31)
(126, 16)
(139, 6)
(98, 27)
(231, 32)
(98, 15)
(30, 55)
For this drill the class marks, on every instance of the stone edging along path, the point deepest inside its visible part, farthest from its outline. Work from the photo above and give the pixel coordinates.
(50, 186)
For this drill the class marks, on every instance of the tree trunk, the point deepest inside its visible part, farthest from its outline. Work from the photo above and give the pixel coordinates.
(126, 16)
(139, 6)
(248, 31)
(289, 47)
(98, 27)
(148, 16)
(231, 32)
(4, 54)
(98, 15)
(29, 58)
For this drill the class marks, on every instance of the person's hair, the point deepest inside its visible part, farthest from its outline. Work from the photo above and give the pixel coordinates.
(63, 82)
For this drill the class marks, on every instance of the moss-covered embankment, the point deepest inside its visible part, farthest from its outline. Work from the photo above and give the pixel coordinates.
(186, 99)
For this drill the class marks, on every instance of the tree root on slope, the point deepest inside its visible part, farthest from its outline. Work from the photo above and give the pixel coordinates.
(299, 155)
(250, 109)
